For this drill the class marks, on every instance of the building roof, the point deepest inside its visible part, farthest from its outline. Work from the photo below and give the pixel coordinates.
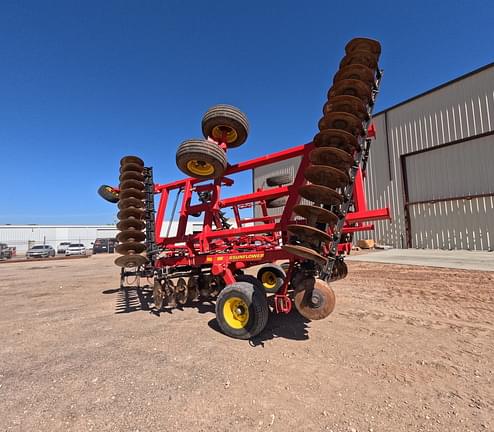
(447, 83)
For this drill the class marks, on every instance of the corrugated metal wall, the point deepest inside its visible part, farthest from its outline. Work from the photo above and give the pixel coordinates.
(261, 174)
(462, 109)
(437, 174)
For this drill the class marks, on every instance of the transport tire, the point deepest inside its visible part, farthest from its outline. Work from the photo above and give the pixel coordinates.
(108, 193)
(201, 159)
(277, 202)
(225, 122)
(241, 310)
(272, 277)
(279, 180)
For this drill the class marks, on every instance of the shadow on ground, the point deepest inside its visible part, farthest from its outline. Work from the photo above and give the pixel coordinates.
(135, 299)
(288, 326)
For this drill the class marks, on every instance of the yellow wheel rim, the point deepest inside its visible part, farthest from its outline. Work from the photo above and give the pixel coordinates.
(236, 312)
(269, 280)
(198, 167)
(218, 131)
(111, 190)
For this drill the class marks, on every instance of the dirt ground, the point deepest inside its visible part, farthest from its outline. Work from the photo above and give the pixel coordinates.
(407, 349)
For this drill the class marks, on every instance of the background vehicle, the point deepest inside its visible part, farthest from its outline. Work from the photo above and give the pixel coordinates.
(75, 249)
(62, 247)
(104, 245)
(40, 251)
(6, 252)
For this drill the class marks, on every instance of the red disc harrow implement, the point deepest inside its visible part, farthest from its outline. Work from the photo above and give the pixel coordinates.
(309, 237)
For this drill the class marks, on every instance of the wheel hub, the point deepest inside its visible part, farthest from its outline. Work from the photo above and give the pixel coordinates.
(199, 167)
(268, 280)
(223, 132)
(236, 312)
(315, 300)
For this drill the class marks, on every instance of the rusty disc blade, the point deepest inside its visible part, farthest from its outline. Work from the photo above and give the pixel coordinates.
(130, 202)
(362, 57)
(131, 175)
(305, 252)
(363, 44)
(129, 248)
(130, 223)
(342, 120)
(356, 72)
(130, 235)
(349, 104)
(326, 176)
(130, 212)
(315, 214)
(131, 159)
(131, 167)
(314, 299)
(181, 294)
(308, 233)
(336, 138)
(131, 184)
(331, 156)
(342, 269)
(158, 294)
(132, 193)
(130, 261)
(351, 87)
(320, 194)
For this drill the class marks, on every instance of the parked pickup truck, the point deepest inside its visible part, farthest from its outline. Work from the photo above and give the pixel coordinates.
(6, 252)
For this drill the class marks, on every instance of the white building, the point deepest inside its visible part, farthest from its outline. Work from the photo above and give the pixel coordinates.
(25, 236)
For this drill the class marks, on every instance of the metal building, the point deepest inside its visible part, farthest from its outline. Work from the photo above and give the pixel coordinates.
(432, 165)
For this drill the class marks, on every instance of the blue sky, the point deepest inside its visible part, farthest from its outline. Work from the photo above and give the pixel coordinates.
(83, 83)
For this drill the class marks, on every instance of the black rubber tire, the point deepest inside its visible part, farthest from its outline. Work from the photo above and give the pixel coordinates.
(279, 180)
(203, 151)
(257, 305)
(278, 277)
(277, 202)
(104, 193)
(229, 116)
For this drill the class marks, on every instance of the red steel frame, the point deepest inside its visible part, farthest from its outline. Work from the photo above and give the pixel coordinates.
(227, 250)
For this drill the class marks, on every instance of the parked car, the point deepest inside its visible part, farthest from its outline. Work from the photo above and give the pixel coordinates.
(6, 252)
(75, 249)
(40, 251)
(62, 247)
(104, 245)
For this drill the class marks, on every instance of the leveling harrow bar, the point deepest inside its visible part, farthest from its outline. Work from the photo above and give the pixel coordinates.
(310, 238)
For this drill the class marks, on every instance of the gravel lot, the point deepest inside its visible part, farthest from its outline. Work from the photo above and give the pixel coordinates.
(407, 349)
